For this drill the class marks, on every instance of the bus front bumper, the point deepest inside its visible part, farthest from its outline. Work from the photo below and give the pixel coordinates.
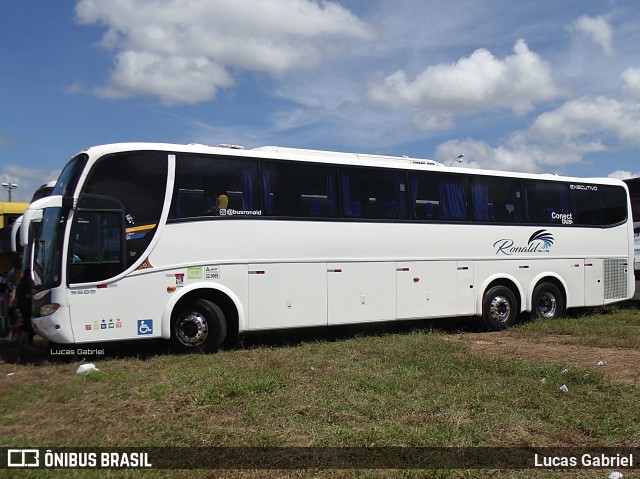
(55, 327)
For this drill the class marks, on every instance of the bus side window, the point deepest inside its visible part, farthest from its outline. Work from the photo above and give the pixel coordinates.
(300, 190)
(452, 199)
(140, 191)
(438, 196)
(97, 248)
(374, 194)
(588, 210)
(209, 185)
(613, 201)
(423, 193)
(548, 202)
(495, 200)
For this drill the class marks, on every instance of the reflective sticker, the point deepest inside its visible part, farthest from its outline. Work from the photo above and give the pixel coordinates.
(194, 272)
(212, 272)
(146, 264)
(137, 232)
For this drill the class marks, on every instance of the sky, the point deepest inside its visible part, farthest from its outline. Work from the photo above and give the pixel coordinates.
(546, 86)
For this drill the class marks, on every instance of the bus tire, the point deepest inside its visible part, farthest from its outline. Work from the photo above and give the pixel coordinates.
(499, 308)
(547, 302)
(198, 327)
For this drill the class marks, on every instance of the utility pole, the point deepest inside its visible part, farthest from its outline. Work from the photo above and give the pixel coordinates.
(10, 187)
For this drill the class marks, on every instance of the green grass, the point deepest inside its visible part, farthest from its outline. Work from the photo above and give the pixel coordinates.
(401, 388)
(617, 327)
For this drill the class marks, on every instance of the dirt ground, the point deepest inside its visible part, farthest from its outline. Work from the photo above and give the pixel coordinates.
(616, 363)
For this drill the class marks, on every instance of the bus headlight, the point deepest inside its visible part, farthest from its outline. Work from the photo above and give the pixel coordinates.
(48, 309)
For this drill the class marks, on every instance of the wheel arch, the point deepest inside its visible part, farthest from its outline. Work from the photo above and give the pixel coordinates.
(547, 277)
(226, 300)
(500, 280)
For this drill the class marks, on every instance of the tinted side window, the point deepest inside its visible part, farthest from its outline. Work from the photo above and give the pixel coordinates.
(586, 203)
(574, 204)
(435, 196)
(301, 190)
(138, 181)
(97, 245)
(614, 204)
(214, 186)
(373, 193)
(548, 202)
(496, 200)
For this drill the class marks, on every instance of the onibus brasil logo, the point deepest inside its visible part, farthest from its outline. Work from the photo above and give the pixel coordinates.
(539, 242)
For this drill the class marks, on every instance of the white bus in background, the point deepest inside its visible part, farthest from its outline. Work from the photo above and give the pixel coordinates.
(634, 191)
(199, 244)
(26, 250)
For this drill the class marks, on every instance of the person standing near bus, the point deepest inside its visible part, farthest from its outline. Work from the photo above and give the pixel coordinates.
(4, 287)
(23, 303)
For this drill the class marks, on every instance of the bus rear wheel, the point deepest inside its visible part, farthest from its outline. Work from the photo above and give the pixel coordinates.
(499, 308)
(547, 302)
(198, 327)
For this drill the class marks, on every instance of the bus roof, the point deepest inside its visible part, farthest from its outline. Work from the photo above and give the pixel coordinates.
(43, 190)
(321, 156)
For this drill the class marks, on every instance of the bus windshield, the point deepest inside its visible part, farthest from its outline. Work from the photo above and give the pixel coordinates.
(47, 262)
(97, 251)
(68, 180)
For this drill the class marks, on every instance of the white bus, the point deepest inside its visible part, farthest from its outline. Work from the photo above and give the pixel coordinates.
(634, 191)
(25, 250)
(199, 244)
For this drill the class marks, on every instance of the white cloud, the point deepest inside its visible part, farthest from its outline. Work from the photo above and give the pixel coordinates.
(476, 83)
(631, 83)
(557, 137)
(176, 80)
(589, 120)
(183, 51)
(432, 121)
(27, 179)
(479, 154)
(623, 174)
(597, 30)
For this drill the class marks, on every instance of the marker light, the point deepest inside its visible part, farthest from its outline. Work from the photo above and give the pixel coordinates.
(48, 309)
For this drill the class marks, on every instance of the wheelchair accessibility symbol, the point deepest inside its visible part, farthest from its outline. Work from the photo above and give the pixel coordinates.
(145, 326)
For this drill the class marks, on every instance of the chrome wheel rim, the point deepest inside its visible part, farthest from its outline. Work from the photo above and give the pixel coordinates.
(192, 329)
(500, 309)
(547, 305)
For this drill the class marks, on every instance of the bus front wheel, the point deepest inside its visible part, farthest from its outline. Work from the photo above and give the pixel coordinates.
(547, 302)
(198, 327)
(499, 308)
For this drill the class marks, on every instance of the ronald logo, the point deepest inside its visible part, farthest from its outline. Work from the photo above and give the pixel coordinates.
(539, 242)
